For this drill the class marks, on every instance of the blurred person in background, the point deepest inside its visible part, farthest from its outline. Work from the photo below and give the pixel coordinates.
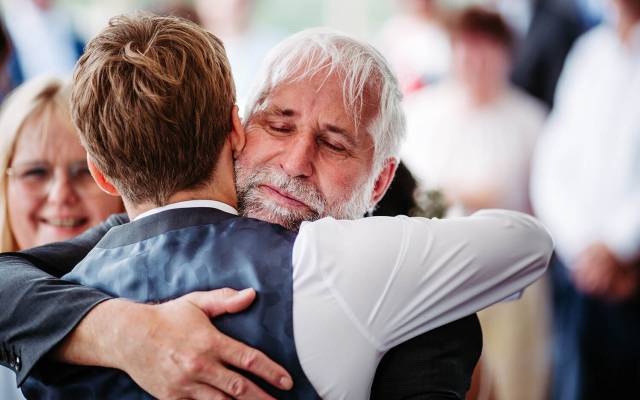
(6, 79)
(591, 12)
(245, 42)
(586, 189)
(518, 14)
(554, 26)
(46, 191)
(416, 44)
(43, 38)
(472, 137)
(176, 8)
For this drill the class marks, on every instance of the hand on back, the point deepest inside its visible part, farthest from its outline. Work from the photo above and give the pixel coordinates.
(173, 351)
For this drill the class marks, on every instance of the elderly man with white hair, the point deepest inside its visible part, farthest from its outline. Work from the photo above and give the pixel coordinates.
(323, 131)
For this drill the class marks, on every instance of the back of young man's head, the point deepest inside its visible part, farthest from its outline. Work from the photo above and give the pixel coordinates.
(152, 98)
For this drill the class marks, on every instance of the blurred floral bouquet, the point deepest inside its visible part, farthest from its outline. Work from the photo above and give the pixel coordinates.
(429, 204)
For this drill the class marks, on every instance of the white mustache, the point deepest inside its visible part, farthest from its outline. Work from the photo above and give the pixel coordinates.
(295, 187)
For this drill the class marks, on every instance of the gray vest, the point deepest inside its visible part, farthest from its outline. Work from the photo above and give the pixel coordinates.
(175, 252)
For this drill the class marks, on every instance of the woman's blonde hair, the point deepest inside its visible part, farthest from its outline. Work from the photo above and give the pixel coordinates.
(39, 97)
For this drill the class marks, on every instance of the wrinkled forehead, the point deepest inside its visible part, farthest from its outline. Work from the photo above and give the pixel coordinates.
(323, 95)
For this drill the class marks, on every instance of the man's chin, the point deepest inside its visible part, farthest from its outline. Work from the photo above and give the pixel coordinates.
(284, 219)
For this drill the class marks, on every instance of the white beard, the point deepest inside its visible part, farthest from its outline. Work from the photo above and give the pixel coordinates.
(253, 203)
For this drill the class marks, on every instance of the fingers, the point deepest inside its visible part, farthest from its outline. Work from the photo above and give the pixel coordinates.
(624, 286)
(222, 301)
(212, 370)
(592, 281)
(202, 391)
(240, 301)
(231, 352)
(234, 385)
(249, 359)
(606, 280)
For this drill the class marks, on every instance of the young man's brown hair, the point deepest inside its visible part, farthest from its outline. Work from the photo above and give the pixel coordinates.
(152, 98)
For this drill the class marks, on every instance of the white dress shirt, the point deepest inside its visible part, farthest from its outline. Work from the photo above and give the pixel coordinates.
(586, 173)
(190, 204)
(362, 287)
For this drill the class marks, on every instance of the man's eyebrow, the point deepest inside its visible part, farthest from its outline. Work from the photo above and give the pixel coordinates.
(340, 131)
(279, 111)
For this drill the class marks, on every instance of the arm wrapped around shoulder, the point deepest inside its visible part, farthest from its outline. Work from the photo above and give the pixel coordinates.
(517, 242)
(402, 276)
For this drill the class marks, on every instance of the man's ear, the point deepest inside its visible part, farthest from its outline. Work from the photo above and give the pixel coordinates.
(237, 136)
(100, 179)
(384, 179)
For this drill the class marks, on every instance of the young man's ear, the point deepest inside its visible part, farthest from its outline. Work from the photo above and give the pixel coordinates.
(237, 135)
(100, 179)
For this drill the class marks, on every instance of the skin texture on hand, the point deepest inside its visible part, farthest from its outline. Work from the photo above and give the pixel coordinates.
(189, 355)
(601, 274)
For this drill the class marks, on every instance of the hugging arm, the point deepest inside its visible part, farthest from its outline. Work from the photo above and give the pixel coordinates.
(38, 309)
(388, 280)
(45, 319)
(422, 274)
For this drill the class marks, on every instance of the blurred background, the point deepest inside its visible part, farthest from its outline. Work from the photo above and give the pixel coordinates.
(531, 105)
(59, 28)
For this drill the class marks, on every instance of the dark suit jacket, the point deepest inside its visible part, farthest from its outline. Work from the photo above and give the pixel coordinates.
(38, 311)
(540, 57)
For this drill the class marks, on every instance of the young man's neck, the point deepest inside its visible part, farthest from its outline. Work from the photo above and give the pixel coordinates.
(133, 210)
(221, 188)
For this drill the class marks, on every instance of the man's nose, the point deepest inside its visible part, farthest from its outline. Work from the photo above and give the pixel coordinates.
(297, 157)
(61, 191)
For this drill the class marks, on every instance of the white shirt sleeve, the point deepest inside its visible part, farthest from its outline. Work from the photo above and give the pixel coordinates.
(396, 278)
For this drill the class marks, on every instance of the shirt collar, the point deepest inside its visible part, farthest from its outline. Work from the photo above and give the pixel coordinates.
(190, 204)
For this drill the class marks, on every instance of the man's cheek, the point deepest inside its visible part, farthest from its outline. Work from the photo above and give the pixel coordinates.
(245, 161)
(334, 185)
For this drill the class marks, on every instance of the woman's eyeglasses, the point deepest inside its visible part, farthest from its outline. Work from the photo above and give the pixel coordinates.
(38, 177)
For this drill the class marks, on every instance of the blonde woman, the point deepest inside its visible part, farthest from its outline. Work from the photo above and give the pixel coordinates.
(46, 191)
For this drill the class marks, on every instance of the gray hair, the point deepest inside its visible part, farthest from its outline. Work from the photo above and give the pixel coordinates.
(361, 67)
